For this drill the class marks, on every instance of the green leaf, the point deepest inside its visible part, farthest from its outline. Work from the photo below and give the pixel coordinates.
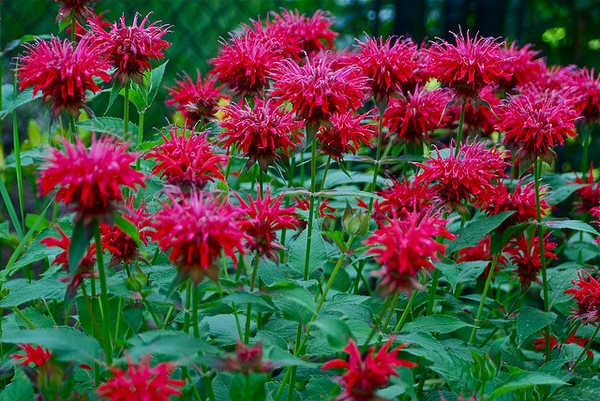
(80, 240)
(450, 272)
(530, 321)
(19, 389)
(110, 125)
(23, 98)
(156, 77)
(128, 228)
(576, 225)
(137, 96)
(295, 302)
(250, 387)
(319, 387)
(167, 343)
(114, 93)
(66, 344)
(35, 252)
(524, 380)
(10, 208)
(337, 331)
(4, 231)
(436, 324)
(318, 254)
(35, 318)
(470, 235)
(559, 279)
(223, 329)
(243, 298)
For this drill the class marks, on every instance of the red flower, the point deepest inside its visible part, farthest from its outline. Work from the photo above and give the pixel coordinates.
(405, 246)
(189, 162)
(260, 131)
(263, 217)
(344, 133)
(90, 181)
(246, 62)
(480, 118)
(123, 248)
(413, 118)
(589, 193)
(365, 376)
(403, 197)
(472, 175)
(246, 360)
(521, 200)
(85, 268)
(537, 120)
(62, 73)
(481, 251)
(587, 296)
(521, 66)
(525, 255)
(467, 66)
(196, 230)
(540, 343)
(130, 48)
(141, 382)
(389, 65)
(589, 86)
(197, 102)
(77, 9)
(302, 33)
(316, 90)
(36, 355)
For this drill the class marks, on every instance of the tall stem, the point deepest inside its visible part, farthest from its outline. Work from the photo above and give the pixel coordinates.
(18, 165)
(126, 110)
(406, 311)
(249, 307)
(461, 121)
(140, 138)
(311, 211)
(586, 348)
(486, 288)
(195, 302)
(377, 158)
(103, 295)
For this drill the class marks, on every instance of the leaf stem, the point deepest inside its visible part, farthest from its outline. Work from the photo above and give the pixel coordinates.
(311, 211)
(486, 288)
(103, 295)
(461, 121)
(126, 110)
(586, 348)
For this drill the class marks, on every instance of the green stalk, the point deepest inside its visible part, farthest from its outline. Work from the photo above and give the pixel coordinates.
(188, 301)
(126, 111)
(73, 129)
(537, 176)
(435, 279)
(377, 158)
(249, 307)
(486, 288)
(17, 152)
(586, 348)
(406, 311)
(311, 211)
(384, 308)
(586, 139)
(140, 138)
(461, 121)
(327, 164)
(195, 303)
(103, 295)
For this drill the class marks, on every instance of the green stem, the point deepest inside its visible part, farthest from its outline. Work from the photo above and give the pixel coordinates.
(229, 162)
(486, 288)
(17, 152)
(103, 295)
(461, 121)
(188, 301)
(586, 348)
(391, 311)
(433, 291)
(375, 329)
(126, 111)
(377, 158)
(406, 311)
(140, 139)
(249, 307)
(195, 303)
(327, 164)
(311, 211)
(586, 136)
(73, 129)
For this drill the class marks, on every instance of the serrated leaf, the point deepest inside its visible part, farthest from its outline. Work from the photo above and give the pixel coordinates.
(138, 98)
(110, 125)
(80, 240)
(337, 331)
(66, 344)
(450, 272)
(22, 99)
(470, 235)
(35, 252)
(248, 387)
(114, 93)
(319, 388)
(19, 389)
(35, 318)
(560, 279)
(524, 380)
(295, 302)
(576, 225)
(318, 254)
(223, 328)
(10, 208)
(530, 321)
(436, 324)
(156, 77)
(167, 343)
(22, 292)
(244, 298)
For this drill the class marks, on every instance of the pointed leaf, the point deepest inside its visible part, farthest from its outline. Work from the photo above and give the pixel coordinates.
(156, 77)
(530, 321)
(524, 380)
(128, 228)
(114, 93)
(80, 240)
(436, 324)
(576, 225)
(470, 235)
(23, 98)
(110, 125)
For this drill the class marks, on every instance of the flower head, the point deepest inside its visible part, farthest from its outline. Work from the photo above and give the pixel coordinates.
(587, 294)
(481, 252)
(90, 181)
(521, 66)
(130, 48)
(187, 160)
(404, 197)
(521, 200)
(261, 132)
(537, 120)
(389, 65)
(540, 343)
(403, 247)
(303, 34)
(245, 63)
(480, 118)
(197, 102)
(467, 66)
(262, 217)
(316, 90)
(36, 355)
(525, 254)
(246, 360)
(413, 118)
(364, 376)
(122, 247)
(196, 229)
(471, 175)
(78, 9)
(343, 133)
(589, 85)
(85, 268)
(62, 73)
(141, 382)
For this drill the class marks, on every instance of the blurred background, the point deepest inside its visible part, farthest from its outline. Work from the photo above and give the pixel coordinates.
(565, 31)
